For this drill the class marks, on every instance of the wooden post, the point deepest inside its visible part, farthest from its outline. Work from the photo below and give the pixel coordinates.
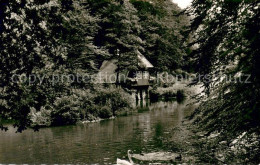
(141, 94)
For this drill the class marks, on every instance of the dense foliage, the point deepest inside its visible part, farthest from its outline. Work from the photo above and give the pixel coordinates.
(42, 40)
(151, 27)
(226, 37)
(82, 105)
(162, 33)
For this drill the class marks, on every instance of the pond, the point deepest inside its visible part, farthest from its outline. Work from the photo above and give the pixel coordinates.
(95, 143)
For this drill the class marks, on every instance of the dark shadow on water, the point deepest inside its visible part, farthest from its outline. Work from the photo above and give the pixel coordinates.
(143, 109)
(158, 135)
(181, 100)
(101, 142)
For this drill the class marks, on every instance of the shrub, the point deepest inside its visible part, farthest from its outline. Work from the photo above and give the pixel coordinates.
(83, 105)
(115, 98)
(105, 112)
(41, 118)
(66, 110)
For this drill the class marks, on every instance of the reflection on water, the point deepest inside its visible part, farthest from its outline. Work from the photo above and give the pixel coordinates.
(94, 142)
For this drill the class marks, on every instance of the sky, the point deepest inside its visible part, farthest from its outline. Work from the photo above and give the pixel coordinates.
(182, 3)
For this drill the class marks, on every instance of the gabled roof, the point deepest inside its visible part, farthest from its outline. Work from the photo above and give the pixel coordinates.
(108, 68)
(143, 62)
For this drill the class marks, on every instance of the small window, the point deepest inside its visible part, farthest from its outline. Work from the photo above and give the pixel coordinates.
(146, 75)
(139, 75)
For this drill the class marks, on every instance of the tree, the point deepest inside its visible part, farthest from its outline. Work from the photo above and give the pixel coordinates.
(226, 34)
(161, 33)
(120, 30)
(42, 38)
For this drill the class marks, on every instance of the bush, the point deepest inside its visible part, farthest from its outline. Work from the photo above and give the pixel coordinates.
(115, 98)
(83, 105)
(66, 110)
(41, 118)
(105, 112)
(167, 94)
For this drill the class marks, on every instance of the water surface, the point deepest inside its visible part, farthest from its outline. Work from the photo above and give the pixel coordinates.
(91, 143)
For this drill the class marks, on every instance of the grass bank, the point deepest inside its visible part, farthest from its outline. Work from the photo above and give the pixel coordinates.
(198, 144)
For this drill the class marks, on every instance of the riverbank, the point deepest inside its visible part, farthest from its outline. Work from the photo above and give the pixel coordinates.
(184, 139)
(212, 135)
(198, 145)
(96, 142)
(83, 106)
(101, 103)
(180, 144)
(179, 91)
